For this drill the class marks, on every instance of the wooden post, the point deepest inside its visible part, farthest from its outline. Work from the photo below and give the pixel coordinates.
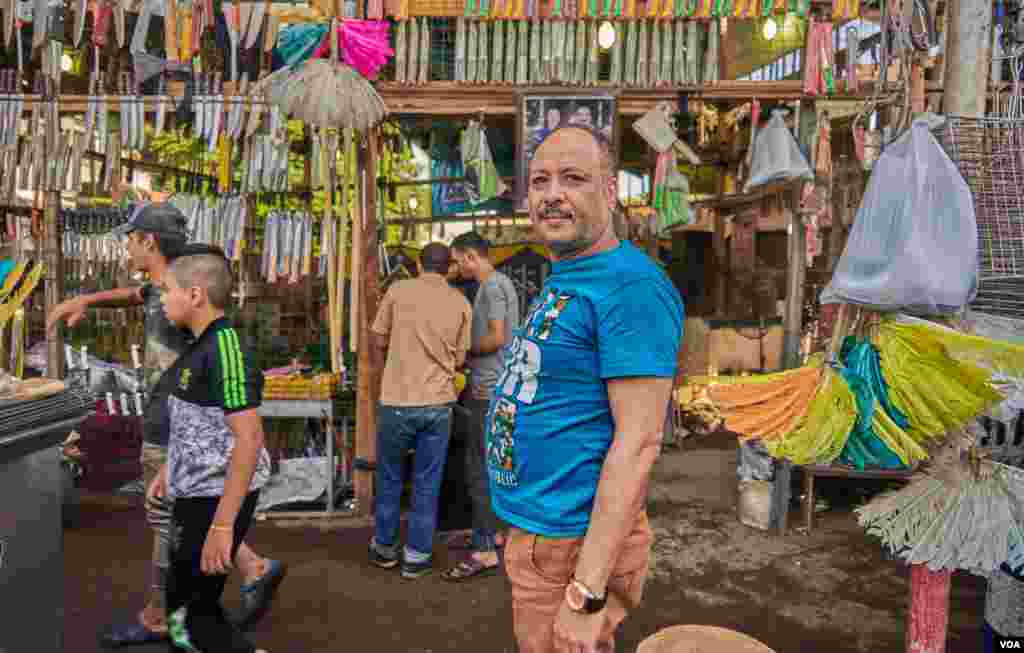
(368, 379)
(54, 291)
(929, 610)
(796, 272)
(968, 30)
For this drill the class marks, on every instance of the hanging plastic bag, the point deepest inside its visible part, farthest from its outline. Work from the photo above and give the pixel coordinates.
(482, 182)
(914, 244)
(671, 195)
(777, 156)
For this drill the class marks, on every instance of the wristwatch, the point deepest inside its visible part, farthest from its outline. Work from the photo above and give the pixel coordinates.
(580, 599)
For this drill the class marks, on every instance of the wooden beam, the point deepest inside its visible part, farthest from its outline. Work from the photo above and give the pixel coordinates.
(454, 99)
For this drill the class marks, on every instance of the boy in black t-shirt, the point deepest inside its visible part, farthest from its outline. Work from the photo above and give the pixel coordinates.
(216, 460)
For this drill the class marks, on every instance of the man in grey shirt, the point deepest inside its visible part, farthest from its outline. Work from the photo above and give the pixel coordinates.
(495, 315)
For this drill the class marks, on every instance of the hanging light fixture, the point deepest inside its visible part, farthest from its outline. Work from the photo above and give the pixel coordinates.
(606, 35)
(770, 30)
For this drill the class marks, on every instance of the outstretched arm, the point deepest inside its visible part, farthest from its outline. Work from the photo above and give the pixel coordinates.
(72, 311)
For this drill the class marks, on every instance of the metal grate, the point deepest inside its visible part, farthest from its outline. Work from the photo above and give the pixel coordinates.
(990, 155)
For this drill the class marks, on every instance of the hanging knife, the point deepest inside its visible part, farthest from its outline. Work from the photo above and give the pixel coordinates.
(146, 11)
(231, 18)
(198, 106)
(119, 18)
(81, 8)
(140, 115)
(161, 106)
(102, 119)
(10, 18)
(6, 109)
(242, 100)
(40, 23)
(255, 114)
(216, 114)
(258, 11)
(315, 162)
(122, 106)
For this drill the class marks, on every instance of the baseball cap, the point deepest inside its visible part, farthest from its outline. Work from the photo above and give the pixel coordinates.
(155, 218)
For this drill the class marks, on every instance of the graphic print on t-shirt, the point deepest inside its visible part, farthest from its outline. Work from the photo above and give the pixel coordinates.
(518, 383)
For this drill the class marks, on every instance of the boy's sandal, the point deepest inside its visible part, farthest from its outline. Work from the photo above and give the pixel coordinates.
(468, 569)
(130, 635)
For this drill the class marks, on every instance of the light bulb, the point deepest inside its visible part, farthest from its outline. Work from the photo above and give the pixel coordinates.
(414, 203)
(66, 63)
(771, 29)
(606, 35)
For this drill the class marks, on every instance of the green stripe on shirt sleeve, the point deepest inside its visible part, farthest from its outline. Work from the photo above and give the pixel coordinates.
(228, 374)
(240, 366)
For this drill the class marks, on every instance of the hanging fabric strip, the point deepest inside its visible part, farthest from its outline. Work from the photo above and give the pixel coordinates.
(511, 38)
(483, 48)
(692, 54)
(576, 40)
(839, 9)
(460, 49)
(485, 9)
(413, 70)
(536, 60)
(522, 51)
(401, 51)
(424, 51)
(667, 46)
(497, 9)
(615, 72)
(629, 65)
(803, 8)
(711, 56)
(498, 54)
(471, 50)
(642, 60)
(679, 53)
(653, 8)
(595, 55)
(547, 34)
(654, 76)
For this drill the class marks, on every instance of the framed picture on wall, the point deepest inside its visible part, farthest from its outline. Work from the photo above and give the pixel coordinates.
(539, 114)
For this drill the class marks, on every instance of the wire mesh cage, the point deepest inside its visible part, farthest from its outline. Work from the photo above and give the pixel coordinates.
(989, 152)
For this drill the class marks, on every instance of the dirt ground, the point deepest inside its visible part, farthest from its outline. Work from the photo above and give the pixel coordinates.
(833, 590)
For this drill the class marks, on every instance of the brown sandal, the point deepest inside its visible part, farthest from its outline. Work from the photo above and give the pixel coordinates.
(468, 569)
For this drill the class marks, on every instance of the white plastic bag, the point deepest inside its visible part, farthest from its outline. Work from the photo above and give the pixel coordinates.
(914, 244)
(777, 156)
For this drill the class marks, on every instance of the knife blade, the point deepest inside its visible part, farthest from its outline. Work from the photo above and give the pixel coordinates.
(230, 12)
(123, 112)
(119, 19)
(146, 11)
(255, 25)
(80, 8)
(161, 107)
(217, 111)
(140, 117)
(198, 106)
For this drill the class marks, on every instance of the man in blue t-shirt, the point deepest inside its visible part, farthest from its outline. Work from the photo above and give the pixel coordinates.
(578, 412)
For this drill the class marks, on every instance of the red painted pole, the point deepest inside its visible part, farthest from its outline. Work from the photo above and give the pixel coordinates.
(929, 610)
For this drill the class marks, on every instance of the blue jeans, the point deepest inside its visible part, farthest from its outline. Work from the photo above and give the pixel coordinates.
(426, 429)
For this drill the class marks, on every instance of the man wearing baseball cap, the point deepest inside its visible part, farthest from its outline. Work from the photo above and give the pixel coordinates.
(154, 235)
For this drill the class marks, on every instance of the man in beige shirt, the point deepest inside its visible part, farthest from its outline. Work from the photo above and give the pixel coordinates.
(422, 330)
